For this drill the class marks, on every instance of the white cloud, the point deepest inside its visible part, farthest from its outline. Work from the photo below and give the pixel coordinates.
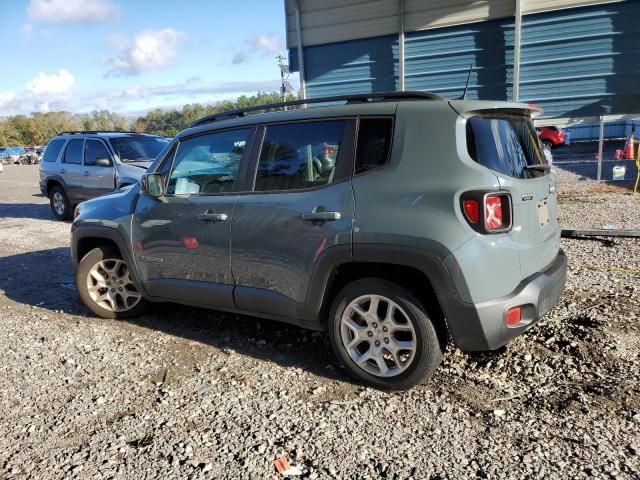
(72, 11)
(9, 101)
(59, 84)
(266, 43)
(150, 50)
(134, 92)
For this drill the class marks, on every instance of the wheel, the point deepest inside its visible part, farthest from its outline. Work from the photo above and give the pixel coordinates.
(104, 284)
(383, 335)
(59, 202)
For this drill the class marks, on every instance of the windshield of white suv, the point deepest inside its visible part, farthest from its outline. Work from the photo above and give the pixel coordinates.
(138, 148)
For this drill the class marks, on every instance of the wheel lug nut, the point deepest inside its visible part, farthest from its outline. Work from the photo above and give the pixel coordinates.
(384, 329)
(113, 289)
(370, 334)
(386, 340)
(120, 289)
(377, 343)
(375, 325)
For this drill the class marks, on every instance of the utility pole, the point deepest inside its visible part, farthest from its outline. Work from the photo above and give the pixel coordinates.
(285, 86)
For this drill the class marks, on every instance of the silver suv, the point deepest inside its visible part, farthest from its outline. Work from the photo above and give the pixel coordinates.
(81, 165)
(434, 219)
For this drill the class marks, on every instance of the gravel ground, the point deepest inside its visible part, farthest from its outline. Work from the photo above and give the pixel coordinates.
(185, 393)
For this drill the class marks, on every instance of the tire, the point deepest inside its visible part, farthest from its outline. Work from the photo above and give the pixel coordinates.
(411, 326)
(59, 203)
(108, 298)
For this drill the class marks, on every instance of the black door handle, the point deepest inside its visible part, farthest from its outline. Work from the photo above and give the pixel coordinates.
(321, 216)
(212, 217)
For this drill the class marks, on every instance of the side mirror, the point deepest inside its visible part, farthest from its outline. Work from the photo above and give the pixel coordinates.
(103, 162)
(153, 184)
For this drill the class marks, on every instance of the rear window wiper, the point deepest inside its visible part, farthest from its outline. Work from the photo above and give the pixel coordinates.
(539, 168)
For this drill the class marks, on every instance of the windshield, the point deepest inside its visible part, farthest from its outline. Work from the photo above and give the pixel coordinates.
(507, 144)
(138, 148)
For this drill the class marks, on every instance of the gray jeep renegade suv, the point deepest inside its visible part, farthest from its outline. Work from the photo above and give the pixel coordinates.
(437, 219)
(78, 166)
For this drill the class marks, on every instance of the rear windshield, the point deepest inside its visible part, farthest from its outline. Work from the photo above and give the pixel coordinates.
(138, 148)
(506, 144)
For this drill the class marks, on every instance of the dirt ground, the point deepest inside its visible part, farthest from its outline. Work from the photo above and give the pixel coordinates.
(188, 393)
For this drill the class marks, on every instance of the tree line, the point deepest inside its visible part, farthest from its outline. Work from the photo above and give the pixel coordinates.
(38, 128)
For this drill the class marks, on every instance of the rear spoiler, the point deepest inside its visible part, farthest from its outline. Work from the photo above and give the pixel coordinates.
(470, 108)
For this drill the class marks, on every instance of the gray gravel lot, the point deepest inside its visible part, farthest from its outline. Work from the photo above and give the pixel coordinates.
(186, 393)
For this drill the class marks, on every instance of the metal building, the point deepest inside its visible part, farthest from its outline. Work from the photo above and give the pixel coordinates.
(577, 58)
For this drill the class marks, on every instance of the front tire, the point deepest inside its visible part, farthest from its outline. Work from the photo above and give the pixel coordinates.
(59, 202)
(383, 335)
(105, 286)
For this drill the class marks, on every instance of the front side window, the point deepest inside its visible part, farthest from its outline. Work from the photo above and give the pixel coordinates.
(94, 149)
(73, 152)
(52, 150)
(507, 144)
(208, 164)
(374, 142)
(298, 156)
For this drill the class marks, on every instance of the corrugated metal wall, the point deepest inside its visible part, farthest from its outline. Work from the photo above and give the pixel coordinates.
(328, 21)
(576, 62)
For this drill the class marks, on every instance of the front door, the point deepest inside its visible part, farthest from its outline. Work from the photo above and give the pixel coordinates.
(182, 241)
(301, 205)
(98, 180)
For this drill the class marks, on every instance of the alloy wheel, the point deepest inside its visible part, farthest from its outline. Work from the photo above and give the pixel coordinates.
(378, 335)
(110, 286)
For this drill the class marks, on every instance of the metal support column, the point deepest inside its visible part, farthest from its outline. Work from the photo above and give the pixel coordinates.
(401, 45)
(600, 147)
(303, 86)
(516, 51)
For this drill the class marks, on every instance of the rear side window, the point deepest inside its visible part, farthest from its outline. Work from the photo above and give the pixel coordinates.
(374, 142)
(94, 149)
(506, 144)
(52, 150)
(299, 156)
(73, 152)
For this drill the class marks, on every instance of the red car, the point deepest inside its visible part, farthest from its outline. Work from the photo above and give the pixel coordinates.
(551, 136)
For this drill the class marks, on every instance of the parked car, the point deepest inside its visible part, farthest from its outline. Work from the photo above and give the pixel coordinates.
(438, 220)
(77, 166)
(13, 154)
(551, 136)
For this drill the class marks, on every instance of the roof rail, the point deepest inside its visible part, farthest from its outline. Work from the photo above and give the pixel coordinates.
(355, 98)
(80, 132)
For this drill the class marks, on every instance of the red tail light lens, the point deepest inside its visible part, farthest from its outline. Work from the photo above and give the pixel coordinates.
(472, 210)
(493, 212)
(513, 317)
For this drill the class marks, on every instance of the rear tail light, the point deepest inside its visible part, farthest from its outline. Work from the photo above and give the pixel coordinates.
(487, 212)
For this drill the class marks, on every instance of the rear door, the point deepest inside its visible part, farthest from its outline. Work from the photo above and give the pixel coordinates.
(70, 170)
(98, 180)
(509, 145)
(299, 205)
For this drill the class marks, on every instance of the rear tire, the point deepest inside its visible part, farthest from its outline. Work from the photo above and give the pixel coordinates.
(59, 202)
(396, 350)
(104, 284)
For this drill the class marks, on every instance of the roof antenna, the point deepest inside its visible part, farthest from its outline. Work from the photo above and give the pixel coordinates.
(466, 85)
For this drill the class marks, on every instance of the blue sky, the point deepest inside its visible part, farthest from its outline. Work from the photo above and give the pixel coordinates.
(131, 56)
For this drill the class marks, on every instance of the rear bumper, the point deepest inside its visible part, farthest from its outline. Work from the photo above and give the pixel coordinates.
(482, 326)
